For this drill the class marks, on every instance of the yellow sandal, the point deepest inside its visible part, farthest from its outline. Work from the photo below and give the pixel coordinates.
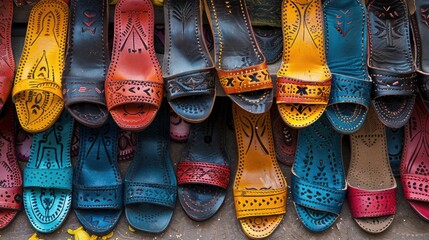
(304, 79)
(37, 91)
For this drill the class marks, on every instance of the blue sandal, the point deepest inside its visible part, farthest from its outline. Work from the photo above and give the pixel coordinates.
(318, 182)
(346, 32)
(48, 176)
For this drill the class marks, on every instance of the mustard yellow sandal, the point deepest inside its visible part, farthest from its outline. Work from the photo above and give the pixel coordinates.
(37, 91)
(304, 79)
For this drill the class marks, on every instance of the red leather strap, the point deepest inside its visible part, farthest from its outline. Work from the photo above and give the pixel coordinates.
(203, 173)
(11, 198)
(291, 90)
(366, 203)
(416, 187)
(120, 92)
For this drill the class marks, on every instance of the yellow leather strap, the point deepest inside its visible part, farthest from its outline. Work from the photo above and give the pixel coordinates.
(252, 203)
(37, 84)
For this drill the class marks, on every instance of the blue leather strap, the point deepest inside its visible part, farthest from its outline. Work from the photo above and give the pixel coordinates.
(199, 82)
(48, 178)
(77, 90)
(346, 89)
(160, 194)
(317, 197)
(106, 197)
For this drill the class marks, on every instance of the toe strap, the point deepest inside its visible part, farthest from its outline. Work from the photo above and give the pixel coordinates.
(203, 173)
(49, 178)
(37, 84)
(190, 84)
(253, 203)
(367, 203)
(105, 197)
(347, 89)
(388, 83)
(317, 197)
(160, 194)
(416, 187)
(290, 90)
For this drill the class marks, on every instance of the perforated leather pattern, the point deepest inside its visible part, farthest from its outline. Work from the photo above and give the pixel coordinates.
(150, 193)
(364, 203)
(48, 178)
(11, 198)
(85, 197)
(250, 203)
(203, 172)
(291, 90)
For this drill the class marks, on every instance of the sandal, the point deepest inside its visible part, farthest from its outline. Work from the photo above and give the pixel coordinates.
(260, 188)
(7, 63)
(346, 34)
(98, 204)
(37, 91)
(188, 68)
(270, 42)
(415, 161)
(419, 25)
(304, 79)
(241, 66)
(134, 92)
(48, 177)
(86, 63)
(150, 182)
(284, 137)
(371, 184)
(10, 174)
(390, 61)
(395, 142)
(204, 167)
(265, 12)
(318, 183)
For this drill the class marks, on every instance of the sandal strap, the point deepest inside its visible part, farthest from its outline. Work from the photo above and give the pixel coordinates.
(161, 194)
(347, 89)
(254, 203)
(290, 90)
(375, 203)
(77, 90)
(199, 82)
(316, 196)
(416, 187)
(60, 178)
(11, 198)
(387, 83)
(37, 84)
(103, 197)
(203, 173)
(245, 79)
(120, 92)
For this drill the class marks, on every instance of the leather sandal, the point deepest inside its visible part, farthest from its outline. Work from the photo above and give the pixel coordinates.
(204, 168)
(265, 12)
(390, 61)
(7, 62)
(10, 174)
(134, 92)
(188, 69)
(150, 182)
(241, 66)
(395, 142)
(86, 63)
(270, 41)
(371, 184)
(415, 161)
(318, 182)
(37, 91)
(419, 11)
(304, 79)
(260, 188)
(97, 183)
(284, 137)
(48, 177)
(179, 128)
(346, 34)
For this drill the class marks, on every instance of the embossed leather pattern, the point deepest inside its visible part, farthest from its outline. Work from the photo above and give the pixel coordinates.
(150, 187)
(258, 175)
(415, 161)
(97, 182)
(265, 12)
(270, 41)
(370, 179)
(37, 90)
(203, 171)
(318, 182)
(134, 91)
(346, 53)
(364, 204)
(390, 61)
(188, 69)
(48, 176)
(10, 174)
(304, 79)
(86, 63)
(7, 63)
(395, 142)
(237, 52)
